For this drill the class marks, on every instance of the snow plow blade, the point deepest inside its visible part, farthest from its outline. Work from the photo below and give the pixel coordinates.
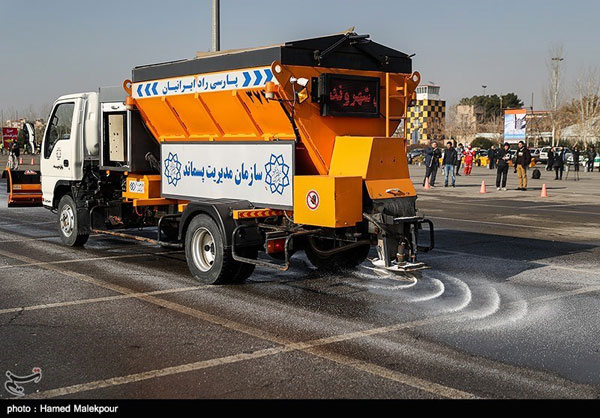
(24, 188)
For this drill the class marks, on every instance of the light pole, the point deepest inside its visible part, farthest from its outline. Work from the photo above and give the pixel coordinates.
(216, 26)
(484, 104)
(555, 63)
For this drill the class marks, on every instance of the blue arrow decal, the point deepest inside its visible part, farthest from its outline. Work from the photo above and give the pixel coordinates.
(154, 88)
(247, 78)
(147, 89)
(269, 75)
(258, 77)
(139, 90)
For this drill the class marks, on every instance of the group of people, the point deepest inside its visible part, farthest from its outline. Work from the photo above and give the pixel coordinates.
(557, 160)
(452, 158)
(451, 162)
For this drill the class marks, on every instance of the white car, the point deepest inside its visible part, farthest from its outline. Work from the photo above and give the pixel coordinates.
(544, 154)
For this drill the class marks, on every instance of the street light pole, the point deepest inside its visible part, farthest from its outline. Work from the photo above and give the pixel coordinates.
(216, 26)
(555, 87)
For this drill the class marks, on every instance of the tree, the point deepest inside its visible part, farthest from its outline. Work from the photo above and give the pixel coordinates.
(483, 143)
(493, 106)
(588, 104)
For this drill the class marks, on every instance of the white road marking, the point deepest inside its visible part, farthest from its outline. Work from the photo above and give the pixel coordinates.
(556, 266)
(547, 207)
(79, 260)
(100, 299)
(493, 223)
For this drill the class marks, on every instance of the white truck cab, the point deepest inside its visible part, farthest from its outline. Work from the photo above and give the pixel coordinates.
(71, 137)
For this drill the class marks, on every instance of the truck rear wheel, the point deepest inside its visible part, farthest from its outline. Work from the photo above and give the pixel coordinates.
(207, 258)
(343, 260)
(68, 223)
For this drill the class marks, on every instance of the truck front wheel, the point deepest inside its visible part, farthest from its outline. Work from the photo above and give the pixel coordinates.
(69, 223)
(208, 259)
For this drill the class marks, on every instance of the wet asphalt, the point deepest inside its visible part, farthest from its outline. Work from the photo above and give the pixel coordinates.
(509, 309)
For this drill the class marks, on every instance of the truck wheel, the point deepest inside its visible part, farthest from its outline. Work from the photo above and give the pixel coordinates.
(340, 261)
(68, 223)
(207, 258)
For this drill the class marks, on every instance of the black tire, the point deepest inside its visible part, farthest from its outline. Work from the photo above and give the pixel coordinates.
(207, 258)
(68, 223)
(345, 260)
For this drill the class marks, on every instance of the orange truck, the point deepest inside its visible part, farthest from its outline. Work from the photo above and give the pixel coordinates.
(245, 157)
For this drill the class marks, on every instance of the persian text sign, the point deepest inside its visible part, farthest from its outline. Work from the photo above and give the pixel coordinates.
(8, 134)
(260, 172)
(204, 83)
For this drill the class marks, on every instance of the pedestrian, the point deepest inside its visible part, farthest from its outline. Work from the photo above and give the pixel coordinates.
(459, 151)
(469, 158)
(492, 157)
(14, 153)
(522, 161)
(591, 156)
(550, 162)
(576, 155)
(432, 163)
(558, 163)
(503, 156)
(449, 163)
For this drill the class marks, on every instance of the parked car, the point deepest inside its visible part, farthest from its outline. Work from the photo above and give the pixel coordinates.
(535, 154)
(544, 155)
(596, 165)
(416, 152)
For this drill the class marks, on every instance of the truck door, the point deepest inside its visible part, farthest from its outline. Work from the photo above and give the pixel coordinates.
(61, 159)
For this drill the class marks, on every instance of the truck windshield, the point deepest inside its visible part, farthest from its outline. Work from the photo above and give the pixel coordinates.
(60, 127)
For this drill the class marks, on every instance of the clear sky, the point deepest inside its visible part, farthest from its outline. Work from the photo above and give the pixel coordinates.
(50, 48)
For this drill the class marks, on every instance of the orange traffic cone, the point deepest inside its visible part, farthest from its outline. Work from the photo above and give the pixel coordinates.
(32, 161)
(544, 191)
(21, 160)
(482, 190)
(427, 186)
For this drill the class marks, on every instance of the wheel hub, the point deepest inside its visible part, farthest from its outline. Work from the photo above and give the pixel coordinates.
(67, 221)
(203, 249)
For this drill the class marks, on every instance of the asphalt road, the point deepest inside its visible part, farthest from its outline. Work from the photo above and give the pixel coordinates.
(509, 308)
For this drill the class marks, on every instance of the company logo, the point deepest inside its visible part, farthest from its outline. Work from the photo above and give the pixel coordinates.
(172, 169)
(12, 385)
(278, 171)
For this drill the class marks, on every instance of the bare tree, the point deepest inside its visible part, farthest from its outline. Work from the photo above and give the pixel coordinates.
(552, 92)
(588, 103)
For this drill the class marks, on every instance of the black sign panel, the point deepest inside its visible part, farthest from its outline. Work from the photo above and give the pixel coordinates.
(344, 95)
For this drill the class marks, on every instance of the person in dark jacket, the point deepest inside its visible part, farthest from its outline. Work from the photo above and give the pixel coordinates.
(522, 161)
(550, 163)
(432, 163)
(449, 163)
(591, 156)
(492, 157)
(576, 155)
(558, 163)
(503, 156)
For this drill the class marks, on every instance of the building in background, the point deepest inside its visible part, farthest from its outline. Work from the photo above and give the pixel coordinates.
(426, 119)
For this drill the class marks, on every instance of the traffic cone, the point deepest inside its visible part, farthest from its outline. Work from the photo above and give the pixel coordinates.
(21, 160)
(32, 161)
(544, 191)
(427, 186)
(482, 190)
